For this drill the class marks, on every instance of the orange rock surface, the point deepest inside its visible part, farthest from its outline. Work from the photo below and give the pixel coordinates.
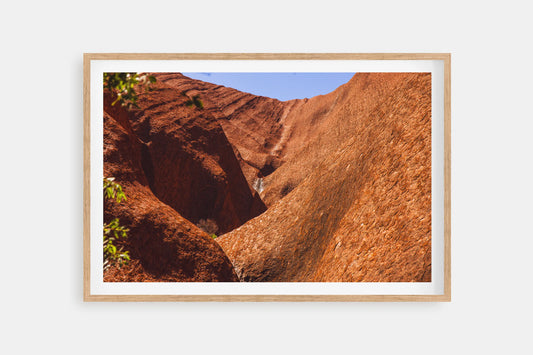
(346, 177)
(352, 201)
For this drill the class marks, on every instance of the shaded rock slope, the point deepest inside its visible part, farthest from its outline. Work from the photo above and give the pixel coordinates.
(177, 168)
(253, 124)
(188, 161)
(358, 202)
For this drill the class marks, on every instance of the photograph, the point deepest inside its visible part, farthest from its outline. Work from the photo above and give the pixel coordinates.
(286, 180)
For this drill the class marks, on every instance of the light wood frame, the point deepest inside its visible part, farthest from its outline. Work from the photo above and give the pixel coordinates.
(445, 57)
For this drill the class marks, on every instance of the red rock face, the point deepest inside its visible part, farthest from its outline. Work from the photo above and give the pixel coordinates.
(163, 245)
(353, 201)
(345, 176)
(189, 163)
(170, 158)
(253, 124)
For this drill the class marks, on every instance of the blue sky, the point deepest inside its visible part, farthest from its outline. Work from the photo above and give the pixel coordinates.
(281, 86)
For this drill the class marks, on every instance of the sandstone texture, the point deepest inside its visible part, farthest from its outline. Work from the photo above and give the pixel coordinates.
(253, 124)
(160, 158)
(346, 178)
(352, 199)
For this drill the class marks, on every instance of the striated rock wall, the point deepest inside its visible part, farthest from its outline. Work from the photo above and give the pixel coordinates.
(254, 125)
(163, 245)
(188, 161)
(346, 177)
(359, 205)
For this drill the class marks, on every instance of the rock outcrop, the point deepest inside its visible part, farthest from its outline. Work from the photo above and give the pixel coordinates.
(188, 161)
(346, 177)
(254, 125)
(353, 201)
(177, 168)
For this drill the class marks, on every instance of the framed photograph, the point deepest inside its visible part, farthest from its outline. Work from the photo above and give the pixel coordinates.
(267, 177)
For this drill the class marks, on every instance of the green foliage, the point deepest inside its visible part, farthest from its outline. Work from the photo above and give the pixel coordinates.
(124, 84)
(193, 101)
(214, 236)
(197, 102)
(113, 191)
(113, 231)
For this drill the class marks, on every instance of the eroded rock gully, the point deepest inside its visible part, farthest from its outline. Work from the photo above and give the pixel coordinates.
(345, 176)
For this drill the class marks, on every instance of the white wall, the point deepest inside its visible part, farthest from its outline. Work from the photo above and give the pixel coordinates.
(41, 308)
